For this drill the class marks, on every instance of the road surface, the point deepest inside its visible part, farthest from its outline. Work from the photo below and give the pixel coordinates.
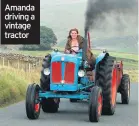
(73, 114)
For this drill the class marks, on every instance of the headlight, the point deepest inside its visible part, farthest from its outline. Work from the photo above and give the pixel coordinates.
(81, 73)
(62, 81)
(62, 58)
(46, 71)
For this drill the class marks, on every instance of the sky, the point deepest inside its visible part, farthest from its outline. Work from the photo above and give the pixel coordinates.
(62, 15)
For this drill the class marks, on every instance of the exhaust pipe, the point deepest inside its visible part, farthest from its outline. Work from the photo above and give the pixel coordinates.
(86, 44)
(89, 42)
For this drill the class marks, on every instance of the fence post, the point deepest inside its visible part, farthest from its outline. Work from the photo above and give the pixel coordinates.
(29, 67)
(3, 61)
(8, 63)
(35, 64)
(39, 61)
(18, 64)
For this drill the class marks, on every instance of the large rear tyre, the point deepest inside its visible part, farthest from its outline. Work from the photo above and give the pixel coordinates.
(106, 76)
(45, 80)
(95, 104)
(50, 105)
(32, 101)
(125, 89)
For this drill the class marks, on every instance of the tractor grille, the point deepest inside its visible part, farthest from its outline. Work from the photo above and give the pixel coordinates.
(63, 72)
(56, 72)
(69, 72)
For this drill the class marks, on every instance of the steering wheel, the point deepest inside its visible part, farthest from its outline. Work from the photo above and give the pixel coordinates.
(71, 50)
(74, 50)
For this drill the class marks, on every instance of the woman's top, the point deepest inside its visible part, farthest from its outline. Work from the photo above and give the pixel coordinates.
(80, 43)
(75, 46)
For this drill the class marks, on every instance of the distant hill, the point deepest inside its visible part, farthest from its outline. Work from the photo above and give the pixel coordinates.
(120, 44)
(126, 44)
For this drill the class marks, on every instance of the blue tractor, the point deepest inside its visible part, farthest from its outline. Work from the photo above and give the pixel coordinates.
(65, 76)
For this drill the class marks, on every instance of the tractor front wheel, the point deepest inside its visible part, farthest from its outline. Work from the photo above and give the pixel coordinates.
(73, 100)
(50, 105)
(32, 101)
(95, 104)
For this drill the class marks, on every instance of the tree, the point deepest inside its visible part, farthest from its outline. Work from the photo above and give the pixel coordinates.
(47, 40)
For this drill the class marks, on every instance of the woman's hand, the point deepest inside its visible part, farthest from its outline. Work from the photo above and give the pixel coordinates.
(71, 51)
(67, 51)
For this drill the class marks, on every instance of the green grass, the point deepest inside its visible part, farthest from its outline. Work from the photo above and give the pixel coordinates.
(13, 84)
(130, 65)
(133, 73)
(12, 87)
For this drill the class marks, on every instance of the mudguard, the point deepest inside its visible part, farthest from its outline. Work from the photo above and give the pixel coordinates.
(101, 56)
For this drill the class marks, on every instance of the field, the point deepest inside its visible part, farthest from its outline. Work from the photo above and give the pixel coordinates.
(95, 51)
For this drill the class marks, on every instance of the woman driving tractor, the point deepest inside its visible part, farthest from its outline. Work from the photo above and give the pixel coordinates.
(75, 43)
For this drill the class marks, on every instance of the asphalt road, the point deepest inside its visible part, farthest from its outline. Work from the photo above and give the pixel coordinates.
(73, 114)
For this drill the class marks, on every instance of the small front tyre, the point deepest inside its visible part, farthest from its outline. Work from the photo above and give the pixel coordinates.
(95, 104)
(32, 101)
(73, 100)
(50, 105)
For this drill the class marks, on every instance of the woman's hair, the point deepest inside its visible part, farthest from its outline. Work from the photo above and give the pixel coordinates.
(69, 36)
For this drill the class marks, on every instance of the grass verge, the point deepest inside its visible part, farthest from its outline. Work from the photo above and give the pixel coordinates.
(13, 84)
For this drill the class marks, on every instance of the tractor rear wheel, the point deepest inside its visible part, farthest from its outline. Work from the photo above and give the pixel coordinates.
(95, 104)
(32, 101)
(125, 89)
(50, 105)
(45, 80)
(106, 76)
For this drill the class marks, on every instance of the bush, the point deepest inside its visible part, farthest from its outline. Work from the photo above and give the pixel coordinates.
(47, 40)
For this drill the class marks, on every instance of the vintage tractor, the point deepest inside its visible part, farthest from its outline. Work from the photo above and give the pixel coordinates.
(65, 76)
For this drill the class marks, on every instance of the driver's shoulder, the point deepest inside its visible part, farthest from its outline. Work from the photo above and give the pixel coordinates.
(80, 39)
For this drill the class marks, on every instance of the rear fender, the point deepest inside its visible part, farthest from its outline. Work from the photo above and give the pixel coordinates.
(101, 57)
(98, 60)
(119, 67)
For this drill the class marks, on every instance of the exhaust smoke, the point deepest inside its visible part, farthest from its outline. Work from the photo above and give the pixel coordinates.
(101, 13)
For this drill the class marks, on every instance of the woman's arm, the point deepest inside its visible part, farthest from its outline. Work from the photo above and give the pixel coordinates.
(81, 40)
(67, 48)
